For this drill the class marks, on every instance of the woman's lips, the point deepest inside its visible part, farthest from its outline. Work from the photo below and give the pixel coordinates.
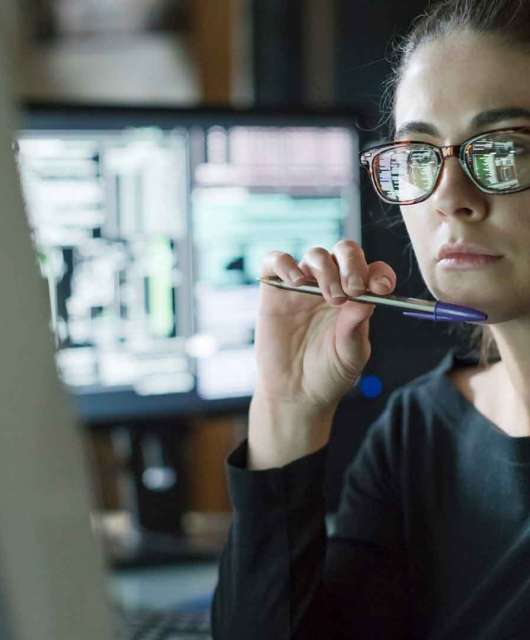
(465, 261)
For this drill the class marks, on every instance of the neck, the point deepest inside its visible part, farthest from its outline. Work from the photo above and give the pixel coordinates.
(512, 373)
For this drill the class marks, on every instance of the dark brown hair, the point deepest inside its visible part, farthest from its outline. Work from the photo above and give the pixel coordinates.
(509, 22)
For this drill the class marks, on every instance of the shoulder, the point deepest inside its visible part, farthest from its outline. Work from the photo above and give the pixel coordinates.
(414, 410)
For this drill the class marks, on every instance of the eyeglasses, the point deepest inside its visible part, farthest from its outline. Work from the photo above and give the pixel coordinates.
(407, 172)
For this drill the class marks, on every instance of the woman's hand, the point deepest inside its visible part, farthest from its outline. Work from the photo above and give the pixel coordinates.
(311, 350)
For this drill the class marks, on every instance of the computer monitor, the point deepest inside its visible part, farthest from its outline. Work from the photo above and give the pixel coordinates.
(150, 226)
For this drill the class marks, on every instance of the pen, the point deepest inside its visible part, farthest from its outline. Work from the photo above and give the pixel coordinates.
(424, 309)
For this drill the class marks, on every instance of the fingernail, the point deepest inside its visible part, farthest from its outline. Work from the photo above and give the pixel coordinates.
(295, 275)
(336, 290)
(356, 283)
(385, 282)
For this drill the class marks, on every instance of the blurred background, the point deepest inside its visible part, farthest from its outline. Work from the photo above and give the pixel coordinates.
(194, 51)
(198, 82)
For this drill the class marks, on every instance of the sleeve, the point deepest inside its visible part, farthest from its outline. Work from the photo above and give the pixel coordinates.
(281, 578)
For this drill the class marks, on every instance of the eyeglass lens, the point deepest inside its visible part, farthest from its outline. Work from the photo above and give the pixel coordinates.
(498, 162)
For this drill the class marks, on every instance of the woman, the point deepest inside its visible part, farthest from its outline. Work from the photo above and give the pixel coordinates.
(433, 535)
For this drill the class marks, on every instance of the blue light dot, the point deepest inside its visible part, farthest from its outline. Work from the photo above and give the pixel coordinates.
(371, 386)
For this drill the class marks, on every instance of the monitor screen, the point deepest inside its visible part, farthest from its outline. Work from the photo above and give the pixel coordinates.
(150, 226)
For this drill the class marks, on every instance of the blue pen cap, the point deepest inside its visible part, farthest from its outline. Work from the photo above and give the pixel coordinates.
(457, 312)
(446, 312)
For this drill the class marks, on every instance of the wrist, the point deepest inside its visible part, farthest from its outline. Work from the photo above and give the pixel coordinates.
(281, 431)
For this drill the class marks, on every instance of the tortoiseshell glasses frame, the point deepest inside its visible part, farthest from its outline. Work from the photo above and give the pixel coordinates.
(461, 151)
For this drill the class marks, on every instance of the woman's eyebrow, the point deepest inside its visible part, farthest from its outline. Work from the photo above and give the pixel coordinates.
(482, 119)
(485, 118)
(416, 127)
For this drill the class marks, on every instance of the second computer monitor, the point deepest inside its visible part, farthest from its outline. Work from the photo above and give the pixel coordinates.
(150, 227)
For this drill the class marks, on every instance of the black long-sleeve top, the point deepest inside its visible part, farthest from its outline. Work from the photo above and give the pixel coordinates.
(432, 534)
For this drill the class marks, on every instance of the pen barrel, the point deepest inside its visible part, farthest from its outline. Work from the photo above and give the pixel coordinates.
(414, 307)
(414, 304)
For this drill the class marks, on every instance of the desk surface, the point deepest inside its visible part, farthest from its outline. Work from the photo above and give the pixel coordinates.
(178, 587)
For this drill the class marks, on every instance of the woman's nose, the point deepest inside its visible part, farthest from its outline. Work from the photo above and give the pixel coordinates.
(456, 193)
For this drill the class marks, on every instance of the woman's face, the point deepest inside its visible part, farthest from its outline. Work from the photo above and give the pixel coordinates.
(445, 86)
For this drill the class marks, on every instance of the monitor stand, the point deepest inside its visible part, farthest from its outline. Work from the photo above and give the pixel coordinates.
(156, 526)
